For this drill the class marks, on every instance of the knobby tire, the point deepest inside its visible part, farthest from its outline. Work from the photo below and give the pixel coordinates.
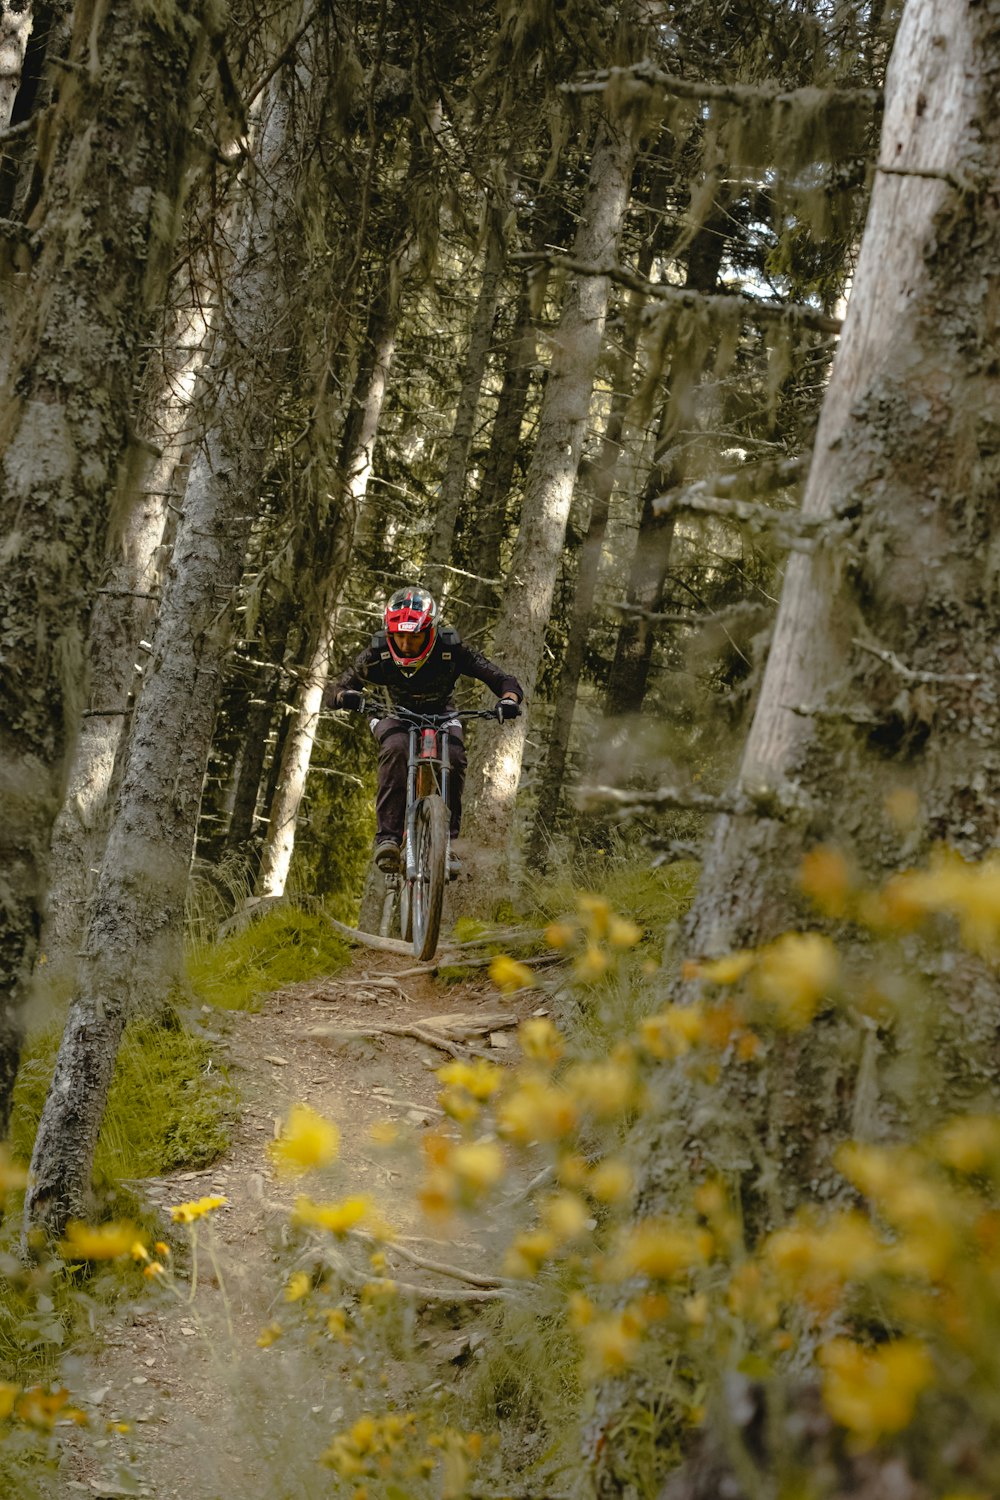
(430, 830)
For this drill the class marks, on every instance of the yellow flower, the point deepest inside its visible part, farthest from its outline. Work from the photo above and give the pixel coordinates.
(481, 1079)
(509, 976)
(793, 974)
(307, 1142)
(969, 1144)
(139, 1251)
(727, 970)
(187, 1213)
(605, 1088)
(162, 1248)
(826, 880)
(662, 1249)
(478, 1164)
(873, 1393)
(297, 1286)
(591, 963)
(596, 913)
(611, 1343)
(336, 1324)
(384, 1132)
(104, 1242)
(269, 1335)
(559, 934)
(537, 1111)
(525, 1257)
(153, 1270)
(9, 1393)
(565, 1216)
(540, 1040)
(338, 1218)
(610, 1181)
(847, 1248)
(674, 1031)
(622, 933)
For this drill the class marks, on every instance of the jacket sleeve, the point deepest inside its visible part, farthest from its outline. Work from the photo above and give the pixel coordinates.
(475, 664)
(354, 678)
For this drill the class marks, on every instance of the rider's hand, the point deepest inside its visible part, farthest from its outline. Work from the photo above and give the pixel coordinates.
(348, 698)
(508, 708)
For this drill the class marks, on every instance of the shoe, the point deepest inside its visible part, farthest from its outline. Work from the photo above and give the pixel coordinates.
(387, 856)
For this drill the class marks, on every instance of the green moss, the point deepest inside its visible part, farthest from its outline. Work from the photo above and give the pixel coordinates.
(285, 947)
(169, 1105)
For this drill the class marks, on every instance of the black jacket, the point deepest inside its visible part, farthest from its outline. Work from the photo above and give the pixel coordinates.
(430, 688)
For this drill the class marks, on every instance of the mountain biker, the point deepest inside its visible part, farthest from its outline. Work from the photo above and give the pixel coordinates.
(418, 661)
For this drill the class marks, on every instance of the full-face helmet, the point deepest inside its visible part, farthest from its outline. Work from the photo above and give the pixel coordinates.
(411, 618)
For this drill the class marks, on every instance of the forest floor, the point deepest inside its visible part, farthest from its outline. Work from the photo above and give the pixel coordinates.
(209, 1412)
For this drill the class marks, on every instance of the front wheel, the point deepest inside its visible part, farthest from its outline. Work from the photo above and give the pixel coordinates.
(430, 832)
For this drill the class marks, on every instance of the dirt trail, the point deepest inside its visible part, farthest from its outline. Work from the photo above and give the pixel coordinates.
(212, 1414)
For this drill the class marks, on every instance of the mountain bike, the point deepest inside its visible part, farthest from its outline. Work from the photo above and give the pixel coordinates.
(416, 893)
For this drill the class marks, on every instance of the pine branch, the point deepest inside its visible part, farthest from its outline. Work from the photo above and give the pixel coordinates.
(659, 291)
(909, 674)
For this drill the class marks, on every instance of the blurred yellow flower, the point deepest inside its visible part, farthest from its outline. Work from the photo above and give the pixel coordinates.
(559, 934)
(508, 975)
(969, 1144)
(727, 970)
(540, 1040)
(9, 1393)
(336, 1323)
(338, 1218)
(846, 1248)
(537, 1111)
(101, 1242)
(606, 1089)
(297, 1286)
(565, 1215)
(826, 880)
(662, 1249)
(873, 1393)
(674, 1031)
(153, 1270)
(622, 933)
(478, 1164)
(528, 1252)
(793, 974)
(307, 1142)
(187, 1213)
(481, 1079)
(384, 1132)
(611, 1180)
(596, 913)
(591, 963)
(611, 1343)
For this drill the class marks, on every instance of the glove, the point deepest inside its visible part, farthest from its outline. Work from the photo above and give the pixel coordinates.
(351, 699)
(508, 708)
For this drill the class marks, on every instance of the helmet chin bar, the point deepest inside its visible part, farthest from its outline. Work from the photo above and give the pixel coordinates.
(410, 611)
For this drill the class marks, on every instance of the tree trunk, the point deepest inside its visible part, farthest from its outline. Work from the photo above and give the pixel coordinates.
(553, 776)
(907, 452)
(15, 28)
(119, 157)
(123, 616)
(496, 761)
(629, 675)
(133, 955)
(439, 548)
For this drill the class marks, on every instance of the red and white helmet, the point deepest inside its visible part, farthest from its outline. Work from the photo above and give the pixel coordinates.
(411, 609)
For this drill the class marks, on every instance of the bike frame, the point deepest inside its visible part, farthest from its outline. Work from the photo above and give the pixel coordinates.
(428, 771)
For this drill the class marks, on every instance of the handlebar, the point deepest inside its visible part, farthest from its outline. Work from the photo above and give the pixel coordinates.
(431, 721)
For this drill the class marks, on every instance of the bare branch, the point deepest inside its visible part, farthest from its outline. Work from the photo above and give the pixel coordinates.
(765, 802)
(729, 93)
(908, 674)
(661, 291)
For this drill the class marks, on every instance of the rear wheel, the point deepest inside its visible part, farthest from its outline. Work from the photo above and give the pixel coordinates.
(430, 833)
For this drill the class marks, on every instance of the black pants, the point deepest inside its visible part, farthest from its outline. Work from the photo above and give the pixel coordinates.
(393, 754)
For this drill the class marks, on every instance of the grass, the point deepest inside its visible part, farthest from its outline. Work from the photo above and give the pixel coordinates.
(284, 947)
(170, 1105)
